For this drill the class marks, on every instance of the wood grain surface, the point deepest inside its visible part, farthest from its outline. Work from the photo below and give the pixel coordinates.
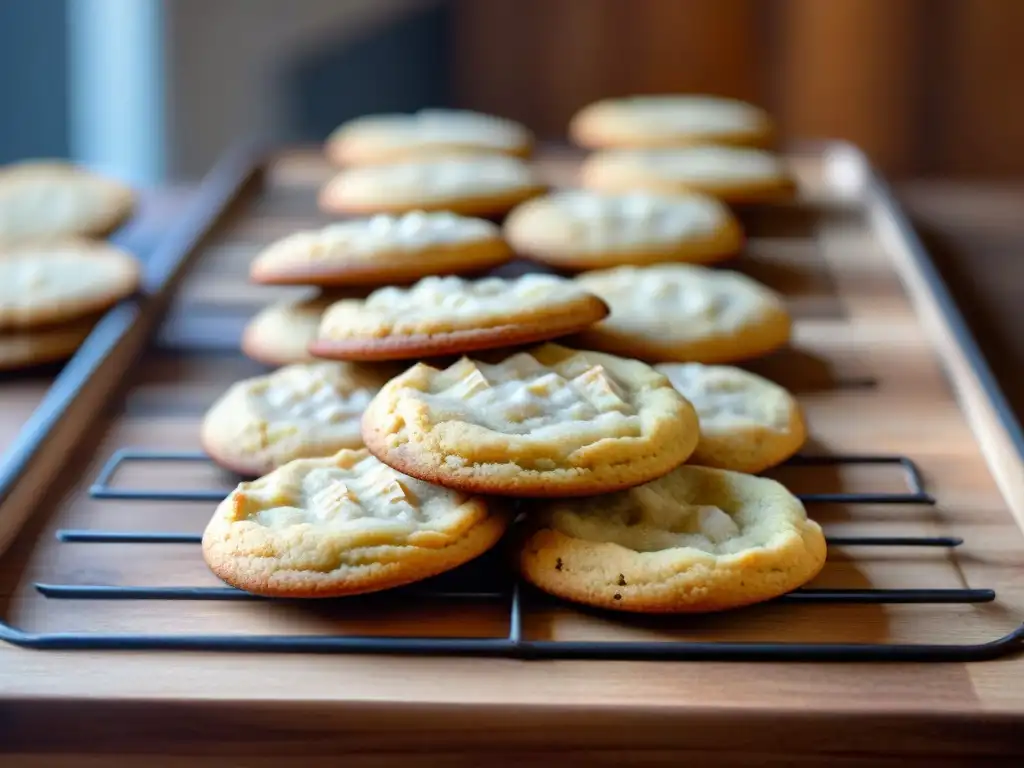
(877, 370)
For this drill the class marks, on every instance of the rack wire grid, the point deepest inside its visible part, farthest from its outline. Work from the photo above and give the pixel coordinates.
(482, 581)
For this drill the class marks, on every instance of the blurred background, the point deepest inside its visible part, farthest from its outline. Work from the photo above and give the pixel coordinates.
(154, 90)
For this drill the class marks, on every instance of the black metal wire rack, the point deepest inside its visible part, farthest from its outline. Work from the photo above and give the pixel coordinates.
(485, 581)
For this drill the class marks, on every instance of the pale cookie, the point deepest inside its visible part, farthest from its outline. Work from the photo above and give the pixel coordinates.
(548, 422)
(429, 132)
(280, 334)
(670, 121)
(732, 174)
(448, 316)
(299, 411)
(52, 282)
(57, 343)
(474, 185)
(344, 525)
(747, 423)
(695, 541)
(383, 249)
(581, 229)
(48, 199)
(685, 313)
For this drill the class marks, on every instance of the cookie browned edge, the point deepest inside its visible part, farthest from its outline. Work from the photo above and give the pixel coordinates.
(483, 205)
(461, 260)
(377, 577)
(588, 311)
(795, 440)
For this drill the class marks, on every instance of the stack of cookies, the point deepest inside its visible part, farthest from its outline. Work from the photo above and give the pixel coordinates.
(57, 275)
(596, 413)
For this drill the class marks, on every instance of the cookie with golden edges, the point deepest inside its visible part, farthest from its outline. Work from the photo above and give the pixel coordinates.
(551, 421)
(441, 316)
(670, 120)
(54, 199)
(582, 229)
(344, 525)
(383, 250)
(470, 185)
(697, 540)
(299, 411)
(684, 313)
(733, 174)
(385, 138)
(747, 423)
(59, 281)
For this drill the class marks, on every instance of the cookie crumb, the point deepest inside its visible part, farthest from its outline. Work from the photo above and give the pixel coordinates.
(558, 564)
(617, 596)
(622, 580)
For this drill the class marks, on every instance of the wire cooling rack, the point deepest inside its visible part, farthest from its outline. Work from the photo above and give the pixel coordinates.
(486, 581)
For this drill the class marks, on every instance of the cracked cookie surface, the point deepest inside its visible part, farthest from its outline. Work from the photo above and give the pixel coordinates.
(344, 525)
(448, 315)
(547, 422)
(696, 540)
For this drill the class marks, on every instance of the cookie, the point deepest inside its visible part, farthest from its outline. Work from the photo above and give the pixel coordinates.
(695, 541)
(581, 229)
(39, 346)
(747, 423)
(52, 282)
(684, 313)
(448, 316)
(428, 133)
(280, 334)
(473, 185)
(670, 121)
(50, 199)
(383, 249)
(548, 422)
(299, 411)
(344, 525)
(732, 174)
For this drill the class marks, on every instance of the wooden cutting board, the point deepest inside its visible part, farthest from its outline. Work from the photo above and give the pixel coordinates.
(884, 369)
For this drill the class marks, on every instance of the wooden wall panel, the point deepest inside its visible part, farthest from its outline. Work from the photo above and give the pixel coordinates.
(924, 86)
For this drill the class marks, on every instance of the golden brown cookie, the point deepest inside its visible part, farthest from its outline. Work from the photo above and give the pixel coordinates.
(39, 346)
(732, 174)
(670, 121)
(53, 199)
(382, 250)
(471, 185)
(684, 313)
(442, 316)
(747, 423)
(694, 541)
(582, 229)
(280, 334)
(387, 138)
(548, 422)
(299, 411)
(53, 282)
(344, 525)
